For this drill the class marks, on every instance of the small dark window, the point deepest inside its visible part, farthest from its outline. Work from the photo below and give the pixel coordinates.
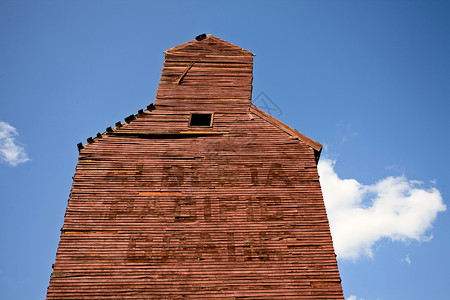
(200, 120)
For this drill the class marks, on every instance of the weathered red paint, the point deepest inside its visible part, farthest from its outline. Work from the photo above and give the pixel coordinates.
(161, 210)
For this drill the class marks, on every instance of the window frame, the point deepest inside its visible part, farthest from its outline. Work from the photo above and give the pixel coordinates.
(201, 113)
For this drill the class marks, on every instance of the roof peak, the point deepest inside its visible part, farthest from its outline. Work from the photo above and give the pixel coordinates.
(210, 43)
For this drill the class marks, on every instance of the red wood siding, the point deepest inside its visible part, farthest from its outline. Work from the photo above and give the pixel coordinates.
(160, 210)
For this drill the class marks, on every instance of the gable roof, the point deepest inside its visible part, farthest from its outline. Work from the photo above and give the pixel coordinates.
(210, 44)
(289, 130)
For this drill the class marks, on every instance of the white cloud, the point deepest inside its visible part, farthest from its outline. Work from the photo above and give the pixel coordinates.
(353, 297)
(360, 215)
(407, 260)
(10, 151)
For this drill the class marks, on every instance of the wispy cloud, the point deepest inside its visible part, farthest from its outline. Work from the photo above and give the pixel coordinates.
(10, 151)
(360, 215)
(406, 260)
(353, 297)
(346, 131)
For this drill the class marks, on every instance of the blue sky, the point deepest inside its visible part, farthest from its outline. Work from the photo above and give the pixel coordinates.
(370, 80)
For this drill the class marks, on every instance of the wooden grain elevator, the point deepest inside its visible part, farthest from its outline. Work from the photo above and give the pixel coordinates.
(200, 196)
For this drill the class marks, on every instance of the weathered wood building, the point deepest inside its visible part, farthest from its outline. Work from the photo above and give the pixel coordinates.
(200, 196)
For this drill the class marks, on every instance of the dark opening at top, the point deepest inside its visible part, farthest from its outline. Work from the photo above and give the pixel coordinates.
(200, 120)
